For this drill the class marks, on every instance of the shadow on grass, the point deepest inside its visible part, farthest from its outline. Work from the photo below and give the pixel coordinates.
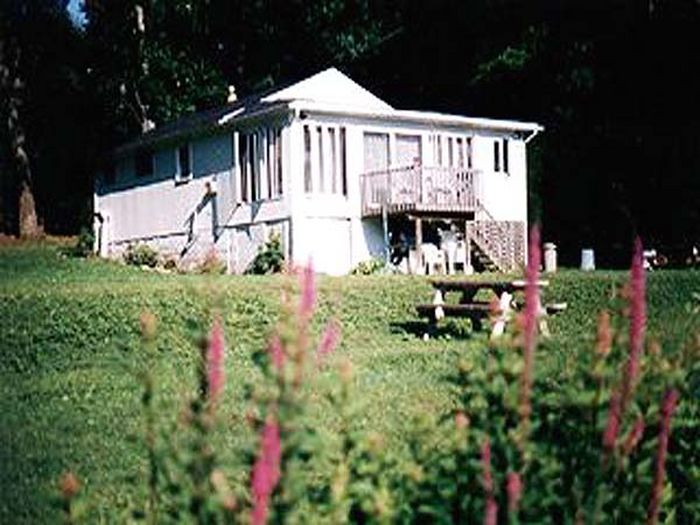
(447, 329)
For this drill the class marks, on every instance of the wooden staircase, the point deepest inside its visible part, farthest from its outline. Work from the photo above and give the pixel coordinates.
(496, 246)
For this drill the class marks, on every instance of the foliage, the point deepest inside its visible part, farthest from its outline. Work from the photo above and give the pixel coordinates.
(45, 57)
(85, 243)
(71, 385)
(211, 264)
(269, 259)
(140, 255)
(371, 267)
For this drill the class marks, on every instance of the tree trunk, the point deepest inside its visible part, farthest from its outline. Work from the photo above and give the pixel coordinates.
(29, 225)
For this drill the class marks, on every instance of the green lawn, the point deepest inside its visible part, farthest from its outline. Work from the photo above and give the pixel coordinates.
(70, 352)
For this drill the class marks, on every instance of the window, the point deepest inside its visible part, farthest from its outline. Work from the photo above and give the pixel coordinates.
(460, 152)
(408, 150)
(334, 161)
(143, 163)
(321, 171)
(496, 156)
(325, 169)
(254, 159)
(343, 163)
(500, 156)
(376, 152)
(183, 163)
(260, 164)
(308, 186)
(469, 153)
(273, 163)
(243, 166)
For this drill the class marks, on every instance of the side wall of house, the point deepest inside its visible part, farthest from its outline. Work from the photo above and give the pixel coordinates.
(186, 219)
(504, 191)
(177, 218)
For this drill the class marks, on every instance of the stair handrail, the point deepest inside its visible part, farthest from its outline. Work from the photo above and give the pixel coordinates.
(499, 250)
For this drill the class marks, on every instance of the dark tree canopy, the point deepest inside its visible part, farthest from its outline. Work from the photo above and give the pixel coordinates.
(612, 81)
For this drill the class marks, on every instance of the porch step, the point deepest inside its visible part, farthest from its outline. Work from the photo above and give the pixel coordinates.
(482, 259)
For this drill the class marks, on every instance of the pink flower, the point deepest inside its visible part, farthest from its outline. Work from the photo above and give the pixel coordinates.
(308, 292)
(604, 334)
(266, 471)
(532, 303)
(329, 341)
(276, 352)
(487, 480)
(668, 406)
(215, 360)
(634, 436)
(637, 322)
(491, 512)
(532, 307)
(612, 427)
(491, 509)
(461, 421)
(514, 489)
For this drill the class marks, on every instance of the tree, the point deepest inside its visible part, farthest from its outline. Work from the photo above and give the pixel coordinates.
(144, 69)
(52, 117)
(12, 88)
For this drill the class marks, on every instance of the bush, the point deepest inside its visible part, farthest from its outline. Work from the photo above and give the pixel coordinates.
(211, 264)
(84, 244)
(141, 255)
(590, 446)
(371, 267)
(270, 258)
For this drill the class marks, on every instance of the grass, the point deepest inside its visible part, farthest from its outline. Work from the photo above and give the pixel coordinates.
(70, 355)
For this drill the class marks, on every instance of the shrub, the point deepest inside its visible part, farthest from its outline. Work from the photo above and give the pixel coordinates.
(84, 244)
(371, 267)
(589, 446)
(141, 255)
(211, 264)
(270, 257)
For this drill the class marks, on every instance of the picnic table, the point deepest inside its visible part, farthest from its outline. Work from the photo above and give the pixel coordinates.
(501, 290)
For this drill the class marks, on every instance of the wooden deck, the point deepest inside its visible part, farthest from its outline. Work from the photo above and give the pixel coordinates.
(420, 190)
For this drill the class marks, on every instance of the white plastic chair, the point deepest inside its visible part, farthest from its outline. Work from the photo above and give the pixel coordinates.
(433, 258)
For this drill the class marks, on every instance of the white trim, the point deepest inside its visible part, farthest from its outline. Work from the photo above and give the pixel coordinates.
(422, 117)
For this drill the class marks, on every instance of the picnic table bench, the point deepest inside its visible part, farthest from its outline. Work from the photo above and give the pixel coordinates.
(502, 290)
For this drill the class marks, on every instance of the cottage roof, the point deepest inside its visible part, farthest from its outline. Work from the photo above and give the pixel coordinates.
(330, 87)
(328, 92)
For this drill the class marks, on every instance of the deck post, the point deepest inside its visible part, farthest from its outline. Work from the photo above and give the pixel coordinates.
(419, 242)
(468, 268)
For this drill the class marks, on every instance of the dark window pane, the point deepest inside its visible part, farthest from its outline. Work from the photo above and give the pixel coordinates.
(496, 156)
(308, 187)
(343, 163)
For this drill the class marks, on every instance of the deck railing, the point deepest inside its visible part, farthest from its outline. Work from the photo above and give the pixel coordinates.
(420, 188)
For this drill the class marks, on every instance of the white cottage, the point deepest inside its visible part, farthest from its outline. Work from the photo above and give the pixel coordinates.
(338, 173)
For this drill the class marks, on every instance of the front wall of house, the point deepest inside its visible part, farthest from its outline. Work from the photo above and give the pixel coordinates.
(325, 242)
(503, 193)
(317, 212)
